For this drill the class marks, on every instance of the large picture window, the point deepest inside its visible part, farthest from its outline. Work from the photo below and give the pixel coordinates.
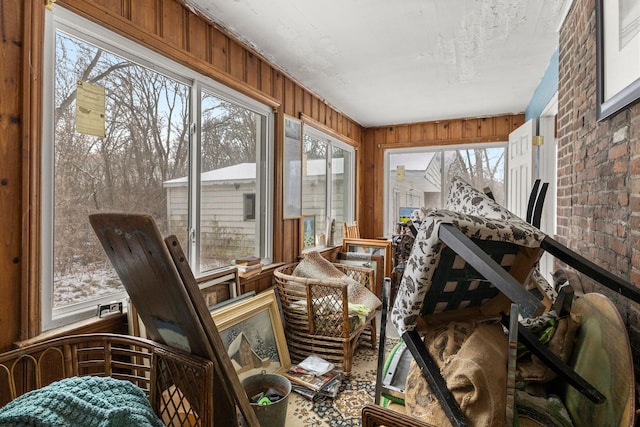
(169, 142)
(421, 177)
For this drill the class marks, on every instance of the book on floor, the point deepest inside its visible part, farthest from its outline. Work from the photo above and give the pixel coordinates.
(314, 378)
(330, 390)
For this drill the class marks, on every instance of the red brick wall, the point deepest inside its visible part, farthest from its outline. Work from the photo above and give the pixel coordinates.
(598, 167)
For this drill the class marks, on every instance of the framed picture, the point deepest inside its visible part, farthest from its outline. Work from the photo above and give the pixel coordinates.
(375, 262)
(617, 56)
(371, 247)
(308, 231)
(292, 168)
(252, 333)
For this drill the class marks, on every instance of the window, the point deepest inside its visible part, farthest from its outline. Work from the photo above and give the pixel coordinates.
(421, 177)
(171, 143)
(249, 206)
(327, 180)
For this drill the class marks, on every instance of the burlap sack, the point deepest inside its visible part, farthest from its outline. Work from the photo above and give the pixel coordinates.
(473, 361)
(560, 343)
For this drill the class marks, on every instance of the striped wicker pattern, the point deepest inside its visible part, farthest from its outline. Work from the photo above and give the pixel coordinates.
(316, 315)
(179, 385)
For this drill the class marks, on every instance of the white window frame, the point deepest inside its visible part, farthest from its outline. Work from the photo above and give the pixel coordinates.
(432, 149)
(77, 26)
(349, 176)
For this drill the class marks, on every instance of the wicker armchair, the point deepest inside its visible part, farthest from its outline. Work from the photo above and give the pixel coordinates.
(317, 317)
(177, 384)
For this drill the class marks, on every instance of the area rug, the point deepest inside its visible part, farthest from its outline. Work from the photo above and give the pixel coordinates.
(345, 409)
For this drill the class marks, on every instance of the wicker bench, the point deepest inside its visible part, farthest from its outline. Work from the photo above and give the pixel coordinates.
(179, 385)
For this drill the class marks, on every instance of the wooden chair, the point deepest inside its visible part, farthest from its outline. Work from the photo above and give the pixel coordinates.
(161, 285)
(178, 384)
(317, 317)
(350, 231)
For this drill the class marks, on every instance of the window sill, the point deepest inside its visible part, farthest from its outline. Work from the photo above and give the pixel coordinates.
(115, 323)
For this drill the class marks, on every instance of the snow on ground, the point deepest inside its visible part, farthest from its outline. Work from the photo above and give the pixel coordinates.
(86, 282)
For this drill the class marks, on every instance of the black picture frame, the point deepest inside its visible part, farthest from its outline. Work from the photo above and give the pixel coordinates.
(607, 30)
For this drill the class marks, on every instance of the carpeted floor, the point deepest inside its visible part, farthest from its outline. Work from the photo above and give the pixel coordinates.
(345, 409)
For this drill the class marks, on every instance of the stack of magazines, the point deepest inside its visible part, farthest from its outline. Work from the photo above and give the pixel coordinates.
(314, 378)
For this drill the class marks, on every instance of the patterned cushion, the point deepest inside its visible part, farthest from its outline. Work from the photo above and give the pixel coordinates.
(466, 199)
(426, 251)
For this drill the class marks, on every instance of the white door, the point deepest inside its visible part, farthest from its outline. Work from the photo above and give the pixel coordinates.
(520, 168)
(547, 166)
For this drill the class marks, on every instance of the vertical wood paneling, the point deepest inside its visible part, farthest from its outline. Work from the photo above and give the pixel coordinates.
(429, 132)
(219, 50)
(298, 100)
(306, 103)
(174, 24)
(455, 129)
(13, 24)
(236, 60)
(289, 97)
(278, 87)
(122, 8)
(442, 130)
(144, 15)
(252, 70)
(487, 128)
(266, 78)
(199, 38)
(315, 102)
(471, 128)
(403, 133)
(322, 117)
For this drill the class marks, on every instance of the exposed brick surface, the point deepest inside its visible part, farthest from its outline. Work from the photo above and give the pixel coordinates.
(598, 167)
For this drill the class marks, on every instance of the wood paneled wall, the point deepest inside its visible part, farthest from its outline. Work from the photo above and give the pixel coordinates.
(437, 133)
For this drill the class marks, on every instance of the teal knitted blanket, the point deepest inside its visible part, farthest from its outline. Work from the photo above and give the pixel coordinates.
(81, 401)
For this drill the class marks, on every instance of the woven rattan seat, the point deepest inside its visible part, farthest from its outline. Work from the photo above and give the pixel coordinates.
(317, 317)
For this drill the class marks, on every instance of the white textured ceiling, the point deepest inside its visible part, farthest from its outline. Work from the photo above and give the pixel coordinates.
(384, 62)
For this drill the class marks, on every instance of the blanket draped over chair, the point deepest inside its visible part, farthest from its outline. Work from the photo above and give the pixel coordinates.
(82, 401)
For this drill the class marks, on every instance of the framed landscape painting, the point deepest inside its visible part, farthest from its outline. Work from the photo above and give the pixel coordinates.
(252, 333)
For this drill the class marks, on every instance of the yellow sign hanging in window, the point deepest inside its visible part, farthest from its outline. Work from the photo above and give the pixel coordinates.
(90, 108)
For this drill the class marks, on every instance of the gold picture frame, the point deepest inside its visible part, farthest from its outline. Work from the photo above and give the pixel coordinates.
(252, 333)
(371, 247)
